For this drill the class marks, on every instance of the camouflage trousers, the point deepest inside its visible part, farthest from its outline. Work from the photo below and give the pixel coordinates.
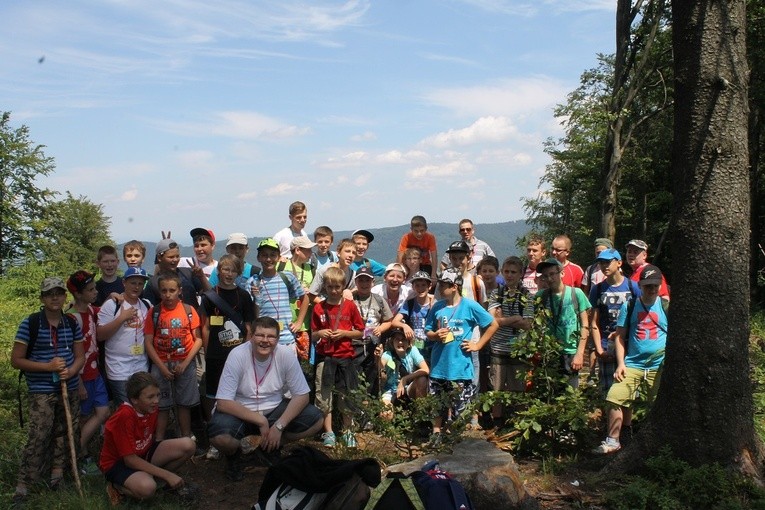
(47, 443)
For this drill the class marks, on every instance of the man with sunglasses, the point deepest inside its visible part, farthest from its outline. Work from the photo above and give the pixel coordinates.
(478, 249)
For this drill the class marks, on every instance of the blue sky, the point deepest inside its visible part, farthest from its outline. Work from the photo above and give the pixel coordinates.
(183, 113)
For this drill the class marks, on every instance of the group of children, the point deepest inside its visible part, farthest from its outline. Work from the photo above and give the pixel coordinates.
(152, 343)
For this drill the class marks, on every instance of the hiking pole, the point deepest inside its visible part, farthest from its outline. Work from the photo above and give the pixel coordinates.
(70, 435)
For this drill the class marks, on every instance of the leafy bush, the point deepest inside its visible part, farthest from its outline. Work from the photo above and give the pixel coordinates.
(550, 416)
(672, 484)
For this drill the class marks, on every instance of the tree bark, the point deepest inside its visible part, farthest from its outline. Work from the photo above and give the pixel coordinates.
(704, 409)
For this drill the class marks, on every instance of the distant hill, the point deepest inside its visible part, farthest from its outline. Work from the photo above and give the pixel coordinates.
(501, 237)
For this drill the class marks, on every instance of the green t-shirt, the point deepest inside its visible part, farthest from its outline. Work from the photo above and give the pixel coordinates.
(564, 324)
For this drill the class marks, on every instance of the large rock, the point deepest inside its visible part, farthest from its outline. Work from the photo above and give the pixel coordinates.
(489, 475)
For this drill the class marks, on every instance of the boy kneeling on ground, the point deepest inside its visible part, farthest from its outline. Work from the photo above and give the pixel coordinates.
(406, 372)
(131, 459)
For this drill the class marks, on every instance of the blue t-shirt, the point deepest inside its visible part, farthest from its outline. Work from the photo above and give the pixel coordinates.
(50, 343)
(411, 362)
(608, 299)
(648, 335)
(273, 300)
(240, 281)
(416, 319)
(377, 268)
(449, 360)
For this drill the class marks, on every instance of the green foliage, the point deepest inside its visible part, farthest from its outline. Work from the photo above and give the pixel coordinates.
(552, 417)
(672, 484)
(408, 426)
(74, 229)
(21, 199)
(757, 364)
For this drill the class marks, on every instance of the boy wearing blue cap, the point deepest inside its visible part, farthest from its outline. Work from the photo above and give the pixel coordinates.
(607, 298)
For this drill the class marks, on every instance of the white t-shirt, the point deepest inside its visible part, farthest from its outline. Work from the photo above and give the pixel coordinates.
(405, 293)
(284, 238)
(124, 350)
(279, 374)
(206, 268)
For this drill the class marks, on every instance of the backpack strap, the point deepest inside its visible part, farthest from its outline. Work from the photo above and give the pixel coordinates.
(280, 266)
(33, 322)
(224, 307)
(286, 281)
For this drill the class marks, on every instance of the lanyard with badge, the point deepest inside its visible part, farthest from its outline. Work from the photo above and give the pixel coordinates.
(259, 382)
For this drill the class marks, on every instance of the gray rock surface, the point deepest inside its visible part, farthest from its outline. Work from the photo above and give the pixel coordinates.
(490, 476)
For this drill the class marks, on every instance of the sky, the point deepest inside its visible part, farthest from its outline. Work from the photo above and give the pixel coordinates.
(176, 114)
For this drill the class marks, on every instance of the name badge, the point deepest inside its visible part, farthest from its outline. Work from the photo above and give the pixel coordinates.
(136, 349)
(216, 320)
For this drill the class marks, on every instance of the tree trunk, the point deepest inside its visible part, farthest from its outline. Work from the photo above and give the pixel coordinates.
(704, 409)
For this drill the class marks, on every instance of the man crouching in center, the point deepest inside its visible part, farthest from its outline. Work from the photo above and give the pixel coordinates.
(250, 400)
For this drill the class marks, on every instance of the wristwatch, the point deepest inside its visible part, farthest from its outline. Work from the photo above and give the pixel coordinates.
(279, 426)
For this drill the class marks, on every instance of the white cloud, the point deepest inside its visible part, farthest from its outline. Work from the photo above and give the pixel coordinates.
(285, 188)
(508, 97)
(529, 9)
(485, 129)
(129, 195)
(362, 179)
(448, 169)
(242, 125)
(504, 157)
(364, 137)
(350, 160)
(195, 159)
(249, 195)
(396, 156)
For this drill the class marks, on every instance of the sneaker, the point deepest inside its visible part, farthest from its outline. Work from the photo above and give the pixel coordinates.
(349, 440)
(608, 446)
(114, 495)
(249, 444)
(329, 439)
(212, 454)
(89, 467)
(18, 501)
(234, 471)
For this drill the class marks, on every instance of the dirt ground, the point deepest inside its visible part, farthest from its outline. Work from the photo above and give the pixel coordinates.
(560, 491)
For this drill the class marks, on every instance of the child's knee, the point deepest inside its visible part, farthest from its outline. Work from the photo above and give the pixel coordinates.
(143, 487)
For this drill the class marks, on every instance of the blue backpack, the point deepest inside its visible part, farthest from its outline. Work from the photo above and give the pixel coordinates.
(438, 490)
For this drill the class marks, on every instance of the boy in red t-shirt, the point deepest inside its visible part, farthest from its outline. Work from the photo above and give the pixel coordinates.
(335, 322)
(94, 397)
(131, 458)
(172, 339)
(424, 241)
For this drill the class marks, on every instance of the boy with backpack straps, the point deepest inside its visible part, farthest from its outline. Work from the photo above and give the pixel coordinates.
(568, 321)
(641, 337)
(48, 349)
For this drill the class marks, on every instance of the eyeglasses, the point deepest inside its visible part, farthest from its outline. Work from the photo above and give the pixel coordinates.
(466, 229)
(549, 276)
(260, 336)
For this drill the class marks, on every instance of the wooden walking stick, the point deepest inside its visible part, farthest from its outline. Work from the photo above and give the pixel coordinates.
(70, 435)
